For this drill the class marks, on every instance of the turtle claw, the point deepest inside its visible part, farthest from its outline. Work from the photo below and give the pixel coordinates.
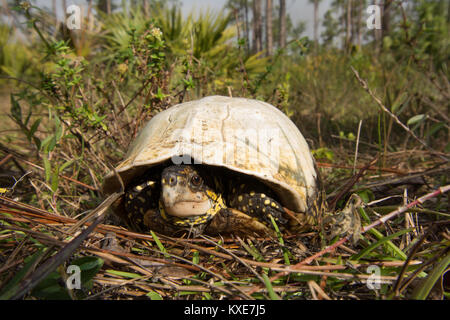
(345, 222)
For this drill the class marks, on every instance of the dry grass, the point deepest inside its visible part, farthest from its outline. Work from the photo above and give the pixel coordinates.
(154, 266)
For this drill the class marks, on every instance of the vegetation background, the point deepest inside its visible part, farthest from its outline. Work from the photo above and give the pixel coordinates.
(71, 101)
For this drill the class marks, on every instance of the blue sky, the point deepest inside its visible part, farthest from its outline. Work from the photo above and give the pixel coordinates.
(299, 10)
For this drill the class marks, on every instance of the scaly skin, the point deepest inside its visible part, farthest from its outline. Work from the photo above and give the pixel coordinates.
(185, 198)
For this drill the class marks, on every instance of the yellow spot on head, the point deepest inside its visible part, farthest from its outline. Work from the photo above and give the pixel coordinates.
(263, 209)
(240, 198)
(263, 195)
(211, 194)
(273, 204)
(252, 193)
(267, 202)
(163, 181)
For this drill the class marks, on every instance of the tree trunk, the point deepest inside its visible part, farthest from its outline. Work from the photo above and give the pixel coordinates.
(348, 33)
(269, 37)
(378, 35)
(105, 6)
(386, 20)
(359, 22)
(282, 19)
(316, 21)
(247, 27)
(257, 26)
(146, 8)
(448, 12)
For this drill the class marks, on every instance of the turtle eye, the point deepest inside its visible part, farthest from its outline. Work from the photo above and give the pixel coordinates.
(172, 181)
(196, 180)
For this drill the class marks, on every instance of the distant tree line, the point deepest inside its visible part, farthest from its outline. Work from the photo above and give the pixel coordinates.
(265, 24)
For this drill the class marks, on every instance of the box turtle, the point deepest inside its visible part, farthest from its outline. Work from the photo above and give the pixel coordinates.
(220, 165)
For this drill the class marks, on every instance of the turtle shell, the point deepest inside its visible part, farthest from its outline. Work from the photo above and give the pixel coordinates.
(243, 135)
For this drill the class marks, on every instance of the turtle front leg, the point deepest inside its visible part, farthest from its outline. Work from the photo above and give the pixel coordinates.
(344, 222)
(232, 221)
(257, 204)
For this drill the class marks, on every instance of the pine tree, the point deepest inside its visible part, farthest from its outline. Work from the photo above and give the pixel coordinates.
(269, 37)
(257, 26)
(282, 22)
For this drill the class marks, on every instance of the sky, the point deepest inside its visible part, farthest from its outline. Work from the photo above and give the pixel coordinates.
(299, 10)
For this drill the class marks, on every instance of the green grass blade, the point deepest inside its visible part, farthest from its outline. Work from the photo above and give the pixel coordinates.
(10, 289)
(270, 291)
(124, 274)
(253, 251)
(154, 295)
(159, 244)
(422, 291)
(281, 241)
(389, 243)
(373, 246)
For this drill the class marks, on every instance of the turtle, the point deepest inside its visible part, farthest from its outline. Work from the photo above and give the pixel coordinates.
(220, 165)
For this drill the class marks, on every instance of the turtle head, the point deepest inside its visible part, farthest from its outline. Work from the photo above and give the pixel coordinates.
(184, 193)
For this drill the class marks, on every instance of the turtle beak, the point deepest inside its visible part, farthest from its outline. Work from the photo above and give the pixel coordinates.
(179, 200)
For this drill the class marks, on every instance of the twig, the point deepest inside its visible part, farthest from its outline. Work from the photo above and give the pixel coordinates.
(314, 286)
(5, 159)
(393, 116)
(436, 109)
(59, 174)
(410, 256)
(354, 179)
(400, 210)
(357, 145)
(408, 281)
(45, 269)
(220, 277)
(136, 94)
(382, 220)
(235, 257)
(372, 168)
